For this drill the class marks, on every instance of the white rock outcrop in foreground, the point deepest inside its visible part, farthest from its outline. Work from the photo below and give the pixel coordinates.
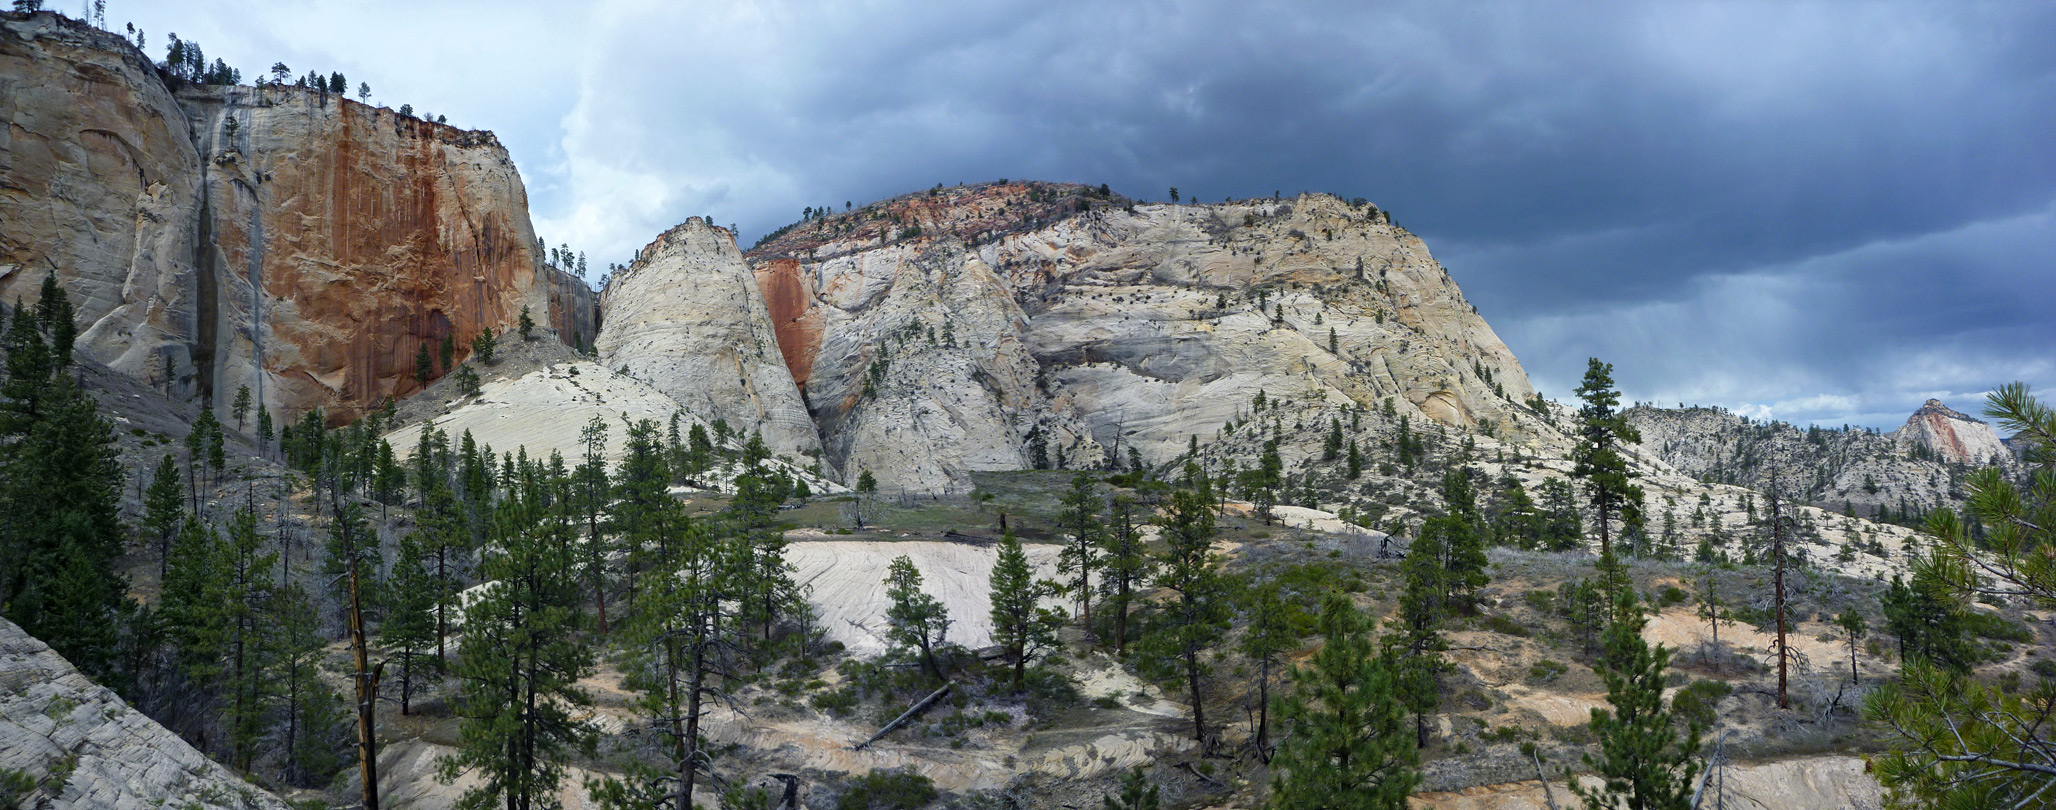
(88, 750)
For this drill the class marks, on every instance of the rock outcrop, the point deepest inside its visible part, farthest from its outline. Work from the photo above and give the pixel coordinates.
(100, 184)
(687, 317)
(86, 748)
(293, 241)
(972, 328)
(1951, 436)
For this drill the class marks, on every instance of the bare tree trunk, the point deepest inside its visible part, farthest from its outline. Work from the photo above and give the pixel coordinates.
(1777, 534)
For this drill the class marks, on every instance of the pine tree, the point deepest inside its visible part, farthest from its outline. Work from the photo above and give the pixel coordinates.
(424, 366)
(520, 662)
(1136, 794)
(1347, 747)
(164, 507)
(916, 623)
(245, 571)
(447, 352)
(1272, 626)
(482, 346)
(1020, 625)
(1197, 615)
(311, 713)
(1331, 448)
(54, 313)
(1125, 565)
(680, 641)
(263, 430)
(409, 627)
(590, 483)
(1080, 516)
(527, 324)
(1598, 461)
(1645, 761)
(1356, 461)
(1853, 628)
(241, 408)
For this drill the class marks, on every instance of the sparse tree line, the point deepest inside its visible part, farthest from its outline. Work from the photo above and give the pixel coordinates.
(503, 580)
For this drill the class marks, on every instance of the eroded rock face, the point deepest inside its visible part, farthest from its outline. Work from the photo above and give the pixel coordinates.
(687, 317)
(100, 185)
(295, 242)
(955, 330)
(1955, 437)
(348, 236)
(53, 718)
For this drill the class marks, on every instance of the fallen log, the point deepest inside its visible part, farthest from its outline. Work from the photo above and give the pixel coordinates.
(904, 717)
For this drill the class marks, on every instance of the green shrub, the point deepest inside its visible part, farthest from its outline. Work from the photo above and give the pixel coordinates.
(1996, 627)
(888, 790)
(1698, 701)
(1670, 595)
(1546, 670)
(2044, 667)
(839, 702)
(1499, 623)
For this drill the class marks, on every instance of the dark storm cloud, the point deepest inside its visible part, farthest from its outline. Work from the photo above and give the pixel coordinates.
(1812, 211)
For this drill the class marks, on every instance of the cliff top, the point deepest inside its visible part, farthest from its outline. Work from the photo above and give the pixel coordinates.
(975, 212)
(1935, 406)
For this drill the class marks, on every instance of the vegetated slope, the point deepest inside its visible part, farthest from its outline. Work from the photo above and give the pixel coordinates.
(290, 240)
(1000, 325)
(1893, 476)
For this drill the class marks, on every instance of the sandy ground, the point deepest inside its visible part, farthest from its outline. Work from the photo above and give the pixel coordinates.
(846, 584)
(1809, 783)
(545, 410)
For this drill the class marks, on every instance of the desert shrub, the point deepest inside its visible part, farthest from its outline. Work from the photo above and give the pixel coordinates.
(2044, 667)
(888, 790)
(1502, 625)
(839, 702)
(1698, 701)
(1670, 595)
(1996, 628)
(1545, 670)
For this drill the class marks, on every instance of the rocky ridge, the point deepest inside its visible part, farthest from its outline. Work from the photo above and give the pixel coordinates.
(296, 242)
(975, 328)
(85, 748)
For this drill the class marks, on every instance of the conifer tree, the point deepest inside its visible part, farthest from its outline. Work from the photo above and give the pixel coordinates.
(448, 352)
(527, 324)
(263, 430)
(164, 507)
(591, 490)
(311, 713)
(680, 641)
(60, 486)
(1646, 762)
(408, 631)
(1081, 554)
(1331, 448)
(1136, 794)
(241, 408)
(1272, 626)
(521, 659)
(482, 347)
(1356, 461)
(1603, 431)
(245, 571)
(1347, 747)
(1126, 565)
(1020, 625)
(424, 366)
(1197, 614)
(916, 623)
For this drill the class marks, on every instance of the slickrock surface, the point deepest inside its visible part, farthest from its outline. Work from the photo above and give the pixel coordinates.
(847, 582)
(942, 333)
(1954, 437)
(1797, 784)
(687, 316)
(87, 749)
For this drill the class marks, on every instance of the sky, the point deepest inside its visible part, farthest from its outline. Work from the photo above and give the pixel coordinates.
(1816, 212)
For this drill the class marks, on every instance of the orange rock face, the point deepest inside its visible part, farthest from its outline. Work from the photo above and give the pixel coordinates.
(347, 237)
(294, 242)
(792, 314)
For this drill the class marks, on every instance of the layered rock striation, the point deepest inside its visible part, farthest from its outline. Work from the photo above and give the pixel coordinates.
(293, 241)
(992, 326)
(84, 747)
